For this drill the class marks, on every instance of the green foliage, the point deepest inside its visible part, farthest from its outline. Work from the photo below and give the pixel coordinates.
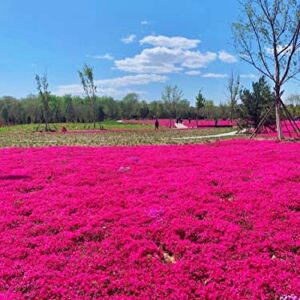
(42, 87)
(200, 100)
(87, 80)
(172, 99)
(255, 102)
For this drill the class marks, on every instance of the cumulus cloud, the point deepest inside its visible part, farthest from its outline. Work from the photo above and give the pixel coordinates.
(165, 60)
(227, 57)
(215, 75)
(144, 22)
(169, 42)
(106, 56)
(193, 73)
(113, 86)
(129, 39)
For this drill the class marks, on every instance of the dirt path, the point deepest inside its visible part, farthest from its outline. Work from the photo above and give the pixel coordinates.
(180, 126)
(232, 133)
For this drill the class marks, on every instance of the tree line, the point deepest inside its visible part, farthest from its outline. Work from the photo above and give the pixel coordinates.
(247, 105)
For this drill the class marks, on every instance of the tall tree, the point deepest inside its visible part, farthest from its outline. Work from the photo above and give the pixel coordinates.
(42, 87)
(233, 87)
(256, 102)
(171, 97)
(90, 89)
(267, 37)
(200, 104)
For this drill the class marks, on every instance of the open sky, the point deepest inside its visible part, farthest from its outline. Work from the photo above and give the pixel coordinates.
(134, 46)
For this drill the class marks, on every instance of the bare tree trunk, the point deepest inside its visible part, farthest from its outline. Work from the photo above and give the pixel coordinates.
(278, 117)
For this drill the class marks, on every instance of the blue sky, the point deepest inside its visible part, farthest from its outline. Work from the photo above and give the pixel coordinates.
(134, 46)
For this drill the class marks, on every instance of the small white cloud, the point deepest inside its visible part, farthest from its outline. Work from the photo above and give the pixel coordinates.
(227, 57)
(113, 86)
(170, 42)
(193, 73)
(249, 76)
(129, 39)
(144, 22)
(106, 56)
(280, 48)
(140, 79)
(215, 75)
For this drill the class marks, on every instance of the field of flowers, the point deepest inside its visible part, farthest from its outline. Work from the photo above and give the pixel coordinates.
(212, 221)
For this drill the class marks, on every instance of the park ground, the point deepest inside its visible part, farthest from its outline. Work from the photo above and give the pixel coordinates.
(114, 134)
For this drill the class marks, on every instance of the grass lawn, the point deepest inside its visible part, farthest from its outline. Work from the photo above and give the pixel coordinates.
(114, 134)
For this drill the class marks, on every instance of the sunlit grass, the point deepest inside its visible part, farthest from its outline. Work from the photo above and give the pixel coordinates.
(115, 134)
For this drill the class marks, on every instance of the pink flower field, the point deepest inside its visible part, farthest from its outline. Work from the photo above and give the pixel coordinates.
(211, 221)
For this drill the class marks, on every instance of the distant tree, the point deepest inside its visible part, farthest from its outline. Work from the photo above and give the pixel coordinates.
(90, 89)
(233, 88)
(224, 111)
(267, 36)
(42, 87)
(293, 102)
(255, 102)
(210, 110)
(69, 112)
(144, 110)
(111, 108)
(200, 104)
(101, 115)
(130, 106)
(5, 114)
(171, 97)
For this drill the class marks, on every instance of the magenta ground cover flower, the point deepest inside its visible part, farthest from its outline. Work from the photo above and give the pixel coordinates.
(214, 221)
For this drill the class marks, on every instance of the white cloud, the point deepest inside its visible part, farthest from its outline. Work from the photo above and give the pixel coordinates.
(215, 75)
(144, 22)
(270, 50)
(140, 79)
(227, 57)
(162, 60)
(113, 86)
(169, 42)
(106, 56)
(193, 73)
(249, 76)
(129, 39)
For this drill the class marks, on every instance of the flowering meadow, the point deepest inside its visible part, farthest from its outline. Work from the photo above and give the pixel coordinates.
(212, 221)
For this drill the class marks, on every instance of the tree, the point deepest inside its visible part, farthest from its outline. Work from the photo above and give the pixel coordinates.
(294, 105)
(256, 102)
(200, 103)
(69, 112)
(209, 110)
(130, 106)
(42, 87)
(267, 37)
(90, 89)
(171, 97)
(233, 87)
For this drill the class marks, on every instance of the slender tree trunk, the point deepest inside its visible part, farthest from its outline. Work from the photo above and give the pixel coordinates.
(231, 112)
(277, 112)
